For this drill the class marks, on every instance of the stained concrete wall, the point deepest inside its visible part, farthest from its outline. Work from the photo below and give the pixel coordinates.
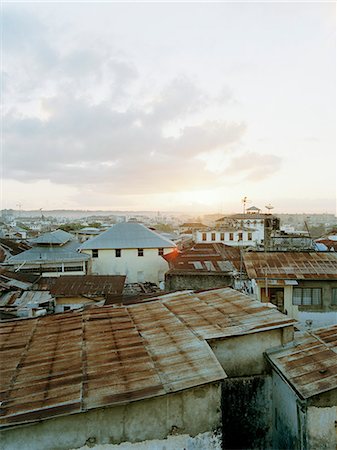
(203, 441)
(193, 411)
(243, 355)
(321, 428)
(287, 416)
(180, 281)
(246, 413)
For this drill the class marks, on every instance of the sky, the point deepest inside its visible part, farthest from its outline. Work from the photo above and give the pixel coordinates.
(183, 107)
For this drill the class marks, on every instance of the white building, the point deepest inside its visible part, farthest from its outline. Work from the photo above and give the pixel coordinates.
(129, 249)
(253, 221)
(230, 236)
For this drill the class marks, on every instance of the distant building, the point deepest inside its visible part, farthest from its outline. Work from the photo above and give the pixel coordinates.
(53, 254)
(87, 233)
(204, 266)
(235, 237)
(261, 224)
(191, 227)
(301, 284)
(130, 249)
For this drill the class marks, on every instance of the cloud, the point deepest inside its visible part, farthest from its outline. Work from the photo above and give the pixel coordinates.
(254, 166)
(82, 118)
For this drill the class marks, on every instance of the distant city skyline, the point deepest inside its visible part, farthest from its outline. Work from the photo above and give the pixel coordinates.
(184, 107)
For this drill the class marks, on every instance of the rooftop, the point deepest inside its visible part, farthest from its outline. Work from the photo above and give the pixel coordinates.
(73, 362)
(309, 363)
(88, 285)
(127, 235)
(57, 237)
(291, 265)
(205, 258)
(53, 254)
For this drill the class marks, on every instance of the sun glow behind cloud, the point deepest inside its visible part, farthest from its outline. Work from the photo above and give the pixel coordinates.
(190, 119)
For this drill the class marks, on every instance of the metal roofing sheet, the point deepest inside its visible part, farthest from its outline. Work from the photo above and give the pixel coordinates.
(68, 363)
(310, 362)
(291, 265)
(128, 235)
(88, 285)
(43, 254)
(57, 237)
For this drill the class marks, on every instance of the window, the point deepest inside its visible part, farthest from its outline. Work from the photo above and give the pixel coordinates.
(334, 296)
(204, 236)
(140, 252)
(118, 252)
(160, 251)
(307, 296)
(250, 236)
(73, 268)
(213, 236)
(231, 236)
(95, 253)
(222, 236)
(66, 308)
(240, 236)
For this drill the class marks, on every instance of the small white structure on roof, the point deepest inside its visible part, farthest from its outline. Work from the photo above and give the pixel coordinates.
(130, 249)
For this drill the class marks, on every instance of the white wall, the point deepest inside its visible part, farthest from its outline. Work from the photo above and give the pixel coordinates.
(150, 267)
(198, 237)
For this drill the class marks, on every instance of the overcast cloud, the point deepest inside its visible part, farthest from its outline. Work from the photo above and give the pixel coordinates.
(81, 110)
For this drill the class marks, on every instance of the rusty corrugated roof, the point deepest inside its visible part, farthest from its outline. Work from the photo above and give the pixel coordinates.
(213, 257)
(291, 265)
(73, 362)
(310, 362)
(88, 285)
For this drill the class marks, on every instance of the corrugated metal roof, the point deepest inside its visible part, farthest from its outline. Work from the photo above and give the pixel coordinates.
(69, 363)
(128, 235)
(32, 298)
(205, 258)
(291, 265)
(57, 237)
(44, 254)
(309, 363)
(88, 285)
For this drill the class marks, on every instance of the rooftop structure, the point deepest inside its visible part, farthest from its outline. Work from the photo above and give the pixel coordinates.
(309, 363)
(291, 265)
(75, 362)
(88, 285)
(127, 235)
(57, 237)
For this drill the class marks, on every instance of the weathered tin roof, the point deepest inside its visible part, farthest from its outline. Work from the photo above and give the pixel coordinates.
(291, 265)
(309, 363)
(128, 235)
(57, 237)
(205, 258)
(72, 362)
(89, 285)
(54, 254)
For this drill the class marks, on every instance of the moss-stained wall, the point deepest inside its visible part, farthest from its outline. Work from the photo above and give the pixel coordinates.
(191, 412)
